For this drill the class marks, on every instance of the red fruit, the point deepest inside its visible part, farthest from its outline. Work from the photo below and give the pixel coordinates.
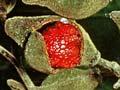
(64, 43)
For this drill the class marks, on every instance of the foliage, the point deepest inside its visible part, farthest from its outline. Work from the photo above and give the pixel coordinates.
(23, 47)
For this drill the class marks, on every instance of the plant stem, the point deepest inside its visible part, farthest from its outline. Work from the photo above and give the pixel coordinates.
(21, 71)
(113, 67)
(110, 65)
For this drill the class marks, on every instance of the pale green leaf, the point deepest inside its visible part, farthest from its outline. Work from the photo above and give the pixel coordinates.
(36, 53)
(115, 16)
(18, 28)
(77, 9)
(71, 79)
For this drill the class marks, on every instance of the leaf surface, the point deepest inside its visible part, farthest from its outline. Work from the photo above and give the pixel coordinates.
(77, 9)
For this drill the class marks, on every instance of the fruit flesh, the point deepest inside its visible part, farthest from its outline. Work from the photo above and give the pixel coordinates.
(63, 42)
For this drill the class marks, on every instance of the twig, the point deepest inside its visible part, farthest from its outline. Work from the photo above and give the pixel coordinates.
(21, 71)
(110, 65)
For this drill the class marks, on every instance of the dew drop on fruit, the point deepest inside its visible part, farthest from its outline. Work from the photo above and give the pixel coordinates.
(64, 20)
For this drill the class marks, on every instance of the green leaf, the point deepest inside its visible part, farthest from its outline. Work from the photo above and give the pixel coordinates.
(36, 53)
(115, 16)
(77, 9)
(15, 85)
(89, 50)
(71, 79)
(18, 28)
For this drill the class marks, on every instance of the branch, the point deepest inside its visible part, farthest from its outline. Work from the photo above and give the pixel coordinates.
(110, 65)
(21, 71)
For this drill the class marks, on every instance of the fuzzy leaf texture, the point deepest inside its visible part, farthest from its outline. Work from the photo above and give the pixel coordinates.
(19, 28)
(115, 15)
(76, 9)
(36, 54)
(71, 79)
